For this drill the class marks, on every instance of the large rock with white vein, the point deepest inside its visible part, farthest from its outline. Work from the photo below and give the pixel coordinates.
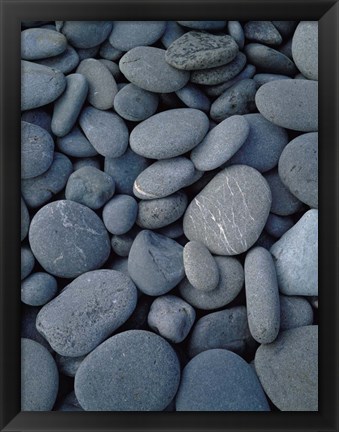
(229, 214)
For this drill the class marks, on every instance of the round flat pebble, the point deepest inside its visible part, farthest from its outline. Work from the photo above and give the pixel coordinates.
(288, 369)
(269, 59)
(94, 162)
(155, 263)
(305, 48)
(172, 32)
(38, 289)
(170, 133)
(292, 104)
(37, 148)
(25, 220)
(76, 144)
(27, 261)
(87, 311)
(276, 225)
(171, 317)
(119, 214)
(147, 68)
(236, 31)
(201, 388)
(203, 25)
(231, 280)
(219, 89)
(193, 97)
(68, 365)
(39, 385)
(263, 32)
(68, 239)
(200, 267)
(87, 53)
(65, 62)
(41, 43)
(294, 312)
(298, 168)
(86, 34)
(143, 361)
(38, 117)
(130, 34)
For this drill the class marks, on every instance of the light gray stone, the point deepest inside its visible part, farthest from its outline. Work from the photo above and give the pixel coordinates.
(38, 43)
(119, 214)
(86, 34)
(130, 34)
(305, 48)
(295, 312)
(38, 289)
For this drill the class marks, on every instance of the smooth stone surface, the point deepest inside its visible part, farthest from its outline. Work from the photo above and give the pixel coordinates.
(172, 32)
(24, 220)
(200, 266)
(197, 50)
(37, 43)
(135, 104)
(305, 48)
(38, 289)
(94, 162)
(219, 89)
(201, 388)
(68, 239)
(37, 148)
(262, 295)
(296, 257)
(27, 261)
(68, 365)
(204, 25)
(235, 30)
(231, 280)
(147, 68)
(39, 385)
(263, 146)
(263, 32)
(193, 97)
(106, 131)
(65, 62)
(229, 214)
(263, 78)
(170, 133)
(40, 85)
(87, 53)
(155, 263)
(76, 144)
(112, 67)
(288, 369)
(38, 117)
(87, 311)
(102, 87)
(39, 190)
(269, 59)
(276, 225)
(292, 104)
(163, 178)
(119, 214)
(221, 143)
(226, 329)
(285, 28)
(121, 244)
(171, 317)
(174, 230)
(294, 312)
(161, 212)
(108, 52)
(143, 361)
(298, 168)
(238, 99)
(86, 34)
(130, 34)
(28, 329)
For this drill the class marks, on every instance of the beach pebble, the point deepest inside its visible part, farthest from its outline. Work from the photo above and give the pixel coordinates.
(87, 311)
(263, 32)
(171, 317)
(88, 53)
(135, 104)
(68, 239)
(75, 144)
(27, 261)
(174, 230)
(193, 97)
(130, 34)
(172, 32)
(155, 263)
(219, 89)
(269, 59)
(25, 220)
(86, 34)
(37, 43)
(285, 28)
(94, 162)
(39, 117)
(28, 329)
(235, 30)
(201, 388)
(263, 78)
(119, 214)
(68, 365)
(108, 52)
(204, 25)
(296, 257)
(294, 312)
(288, 369)
(38, 289)
(65, 62)
(121, 244)
(305, 48)
(276, 225)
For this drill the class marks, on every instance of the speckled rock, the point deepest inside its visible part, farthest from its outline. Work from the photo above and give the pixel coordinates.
(201, 388)
(39, 117)
(269, 59)
(37, 43)
(76, 144)
(276, 225)
(219, 89)
(288, 369)
(65, 62)
(193, 97)
(38, 289)
(305, 48)
(171, 317)
(68, 365)
(130, 34)
(155, 263)
(25, 220)
(27, 261)
(86, 34)
(263, 78)
(39, 385)
(263, 32)
(120, 213)
(170, 133)
(296, 257)
(87, 311)
(204, 25)
(147, 68)
(145, 362)
(68, 239)
(294, 312)
(236, 31)
(172, 32)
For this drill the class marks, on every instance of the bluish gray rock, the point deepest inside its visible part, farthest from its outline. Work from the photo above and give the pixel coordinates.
(155, 263)
(276, 225)
(285, 28)
(288, 369)
(263, 78)
(106, 131)
(38, 117)
(108, 52)
(286, 49)
(68, 239)
(146, 363)
(86, 34)
(265, 240)
(65, 62)
(37, 43)
(174, 230)
(119, 214)
(193, 97)
(135, 104)
(68, 365)
(201, 388)
(76, 144)
(294, 312)
(235, 30)
(219, 89)
(39, 377)
(147, 68)
(121, 265)
(28, 329)
(112, 67)
(94, 162)
(263, 32)
(25, 220)
(204, 25)
(130, 34)
(27, 261)
(305, 48)
(121, 244)
(87, 53)
(171, 317)
(38, 289)
(172, 32)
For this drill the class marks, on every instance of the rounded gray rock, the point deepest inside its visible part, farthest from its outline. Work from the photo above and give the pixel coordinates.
(119, 214)
(276, 226)
(121, 244)
(172, 32)
(305, 48)
(68, 365)
(65, 62)
(219, 89)
(39, 117)
(86, 34)
(94, 162)
(263, 32)
(204, 25)
(76, 144)
(108, 52)
(294, 312)
(130, 34)
(37, 43)
(263, 78)
(193, 97)
(38, 289)
(236, 31)
(27, 261)
(285, 28)
(25, 220)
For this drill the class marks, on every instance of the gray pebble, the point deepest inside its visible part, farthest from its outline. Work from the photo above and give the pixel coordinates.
(155, 263)
(314, 301)
(130, 34)
(193, 97)
(37, 43)
(65, 62)
(121, 265)
(68, 365)
(204, 25)
(25, 220)
(296, 257)
(263, 78)
(174, 230)
(265, 240)
(120, 213)
(286, 49)
(38, 117)
(27, 261)
(112, 67)
(88, 53)
(219, 89)
(172, 32)
(76, 144)
(108, 52)
(121, 244)
(305, 48)
(38, 289)
(235, 30)
(276, 225)
(68, 239)
(171, 317)
(28, 328)
(285, 28)
(94, 162)
(295, 312)
(86, 34)
(263, 32)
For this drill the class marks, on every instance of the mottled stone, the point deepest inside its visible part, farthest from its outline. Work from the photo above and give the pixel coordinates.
(269, 59)
(295, 312)
(37, 43)
(305, 48)
(38, 289)
(76, 144)
(130, 34)
(263, 32)
(86, 34)
(119, 214)
(65, 62)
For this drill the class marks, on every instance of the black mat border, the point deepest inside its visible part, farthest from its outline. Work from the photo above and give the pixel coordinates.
(11, 13)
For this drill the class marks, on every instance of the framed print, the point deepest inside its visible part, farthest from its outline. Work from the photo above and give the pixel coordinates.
(165, 164)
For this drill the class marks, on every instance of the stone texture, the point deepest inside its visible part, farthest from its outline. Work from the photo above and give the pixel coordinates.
(75, 144)
(263, 32)
(38, 289)
(294, 312)
(37, 43)
(27, 261)
(130, 34)
(305, 48)
(86, 34)
(119, 214)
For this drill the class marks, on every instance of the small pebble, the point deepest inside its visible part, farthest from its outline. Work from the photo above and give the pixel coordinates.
(75, 144)
(130, 34)
(27, 261)
(68, 365)
(219, 89)
(294, 312)
(305, 48)
(38, 289)
(276, 225)
(119, 214)
(41, 43)
(263, 32)
(65, 62)
(236, 31)
(121, 244)
(193, 97)
(86, 34)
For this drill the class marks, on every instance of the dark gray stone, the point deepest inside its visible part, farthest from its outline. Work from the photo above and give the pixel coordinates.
(121, 265)
(76, 144)
(286, 49)
(86, 34)
(204, 25)
(38, 289)
(265, 240)
(87, 53)
(38, 117)
(27, 261)
(305, 48)
(25, 220)
(108, 52)
(37, 43)
(112, 67)
(121, 244)
(172, 32)
(174, 230)
(28, 328)
(263, 78)
(65, 62)
(276, 225)
(130, 34)
(285, 28)
(68, 365)
(193, 97)
(94, 162)
(263, 32)
(219, 89)
(235, 30)
(295, 312)
(120, 213)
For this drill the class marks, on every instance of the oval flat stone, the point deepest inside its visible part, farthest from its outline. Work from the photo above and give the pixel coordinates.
(108, 52)
(76, 144)
(86, 34)
(163, 178)
(39, 385)
(68, 365)
(146, 364)
(229, 214)
(204, 25)
(172, 32)
(130, 34)
(40, 85)
(87, 311)
(292, 104)
(38, 289)
(201, 388)
(263, 78)
(38, 117)
(27, 261)
(193, 97)
(235, 30)
(296, 257)
(155, 263)
(169, 133)
(25, 220)
(219, 89)
(68, 239)
(295, 312)
(65, 62)
(221, 143)
(288, 369)
(147, 68)
(305, 48)
(41, 43)
(119, 214)
(298, 168)
(263, 32)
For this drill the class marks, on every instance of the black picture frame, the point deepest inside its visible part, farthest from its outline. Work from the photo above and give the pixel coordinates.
(12, 13)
